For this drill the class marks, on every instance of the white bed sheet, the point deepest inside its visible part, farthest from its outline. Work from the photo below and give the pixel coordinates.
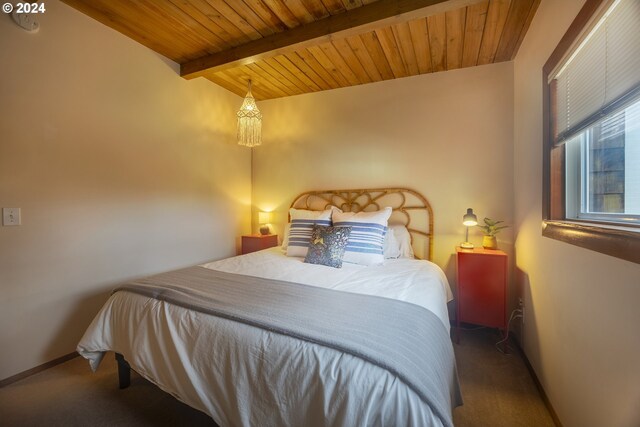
(245, 376)
(415, 281)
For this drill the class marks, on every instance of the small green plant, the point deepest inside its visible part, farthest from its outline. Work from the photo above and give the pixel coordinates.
(491, 227)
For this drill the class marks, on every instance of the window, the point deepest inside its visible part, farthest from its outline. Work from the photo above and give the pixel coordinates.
(603, 170)
(592, 131)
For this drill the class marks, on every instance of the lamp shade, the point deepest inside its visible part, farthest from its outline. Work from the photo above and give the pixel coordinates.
(249, 122)
(264, 217)
(470, 219)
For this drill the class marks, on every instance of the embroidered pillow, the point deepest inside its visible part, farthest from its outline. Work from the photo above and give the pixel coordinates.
(302, 222)
(366, 241)
(326, 246)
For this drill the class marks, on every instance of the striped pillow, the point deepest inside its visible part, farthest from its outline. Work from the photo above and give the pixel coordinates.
(302, 222)
(366, 241)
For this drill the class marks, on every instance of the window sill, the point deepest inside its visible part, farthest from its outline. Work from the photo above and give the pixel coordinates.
(617, 242)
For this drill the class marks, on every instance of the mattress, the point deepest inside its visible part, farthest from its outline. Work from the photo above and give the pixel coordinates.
(245, 376)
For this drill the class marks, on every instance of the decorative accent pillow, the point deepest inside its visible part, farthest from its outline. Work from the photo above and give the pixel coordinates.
(403, 238)
(302, 222)
(326, 246)
(366, 241)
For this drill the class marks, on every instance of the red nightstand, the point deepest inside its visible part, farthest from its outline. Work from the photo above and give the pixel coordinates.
(257, 242)
(482, 288)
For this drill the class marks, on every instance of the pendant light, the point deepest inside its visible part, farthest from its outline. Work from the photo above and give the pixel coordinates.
(249, 122)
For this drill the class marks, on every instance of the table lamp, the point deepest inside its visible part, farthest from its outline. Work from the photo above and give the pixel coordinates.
(469, 220)
(264, 219)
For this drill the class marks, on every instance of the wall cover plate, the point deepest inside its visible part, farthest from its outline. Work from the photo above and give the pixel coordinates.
(27, 21)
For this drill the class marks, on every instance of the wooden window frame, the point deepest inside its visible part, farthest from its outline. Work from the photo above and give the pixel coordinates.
(611, 240)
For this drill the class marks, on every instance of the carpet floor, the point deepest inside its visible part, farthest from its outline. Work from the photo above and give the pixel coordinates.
(497, 389)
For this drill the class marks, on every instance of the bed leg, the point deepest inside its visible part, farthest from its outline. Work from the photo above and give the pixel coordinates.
(124, 371)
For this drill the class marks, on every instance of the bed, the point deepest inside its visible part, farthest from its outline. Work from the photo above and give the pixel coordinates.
(266, 339)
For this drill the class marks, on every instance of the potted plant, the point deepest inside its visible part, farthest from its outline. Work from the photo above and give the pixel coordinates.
(490, 229)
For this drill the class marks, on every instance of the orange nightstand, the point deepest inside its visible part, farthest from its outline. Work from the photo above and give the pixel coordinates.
(257, 242)
(482, 288)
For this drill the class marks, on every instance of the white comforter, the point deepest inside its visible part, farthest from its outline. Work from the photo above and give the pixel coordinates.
(419, 282)
(245, 376)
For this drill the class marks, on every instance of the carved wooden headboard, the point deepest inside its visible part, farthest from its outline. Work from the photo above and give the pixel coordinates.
(410, 208)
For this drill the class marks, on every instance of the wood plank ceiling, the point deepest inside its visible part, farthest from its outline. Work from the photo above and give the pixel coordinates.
(290, 47)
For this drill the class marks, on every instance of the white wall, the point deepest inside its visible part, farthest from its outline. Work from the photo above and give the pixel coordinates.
(581, 327)
(446, 135)
(121, 168)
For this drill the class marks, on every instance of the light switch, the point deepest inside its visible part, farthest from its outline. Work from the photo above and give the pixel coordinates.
(10, 216)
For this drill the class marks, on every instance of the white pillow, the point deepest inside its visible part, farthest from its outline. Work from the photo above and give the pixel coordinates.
(391, 247)
(302, 222)
(366, 241)
(403, 238)
(285, 239)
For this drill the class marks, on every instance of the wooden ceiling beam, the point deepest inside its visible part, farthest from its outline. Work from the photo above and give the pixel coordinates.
(379, 14)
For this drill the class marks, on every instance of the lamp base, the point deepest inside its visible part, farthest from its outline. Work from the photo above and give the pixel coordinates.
(264, 230)
(466, 245)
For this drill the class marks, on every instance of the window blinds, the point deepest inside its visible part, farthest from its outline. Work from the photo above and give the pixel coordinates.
(602, 74)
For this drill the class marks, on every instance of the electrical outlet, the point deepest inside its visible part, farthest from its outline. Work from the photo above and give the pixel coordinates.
(521, 306)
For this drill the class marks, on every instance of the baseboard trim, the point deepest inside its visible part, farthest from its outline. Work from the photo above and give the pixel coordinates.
(543, 394)
(50, 364)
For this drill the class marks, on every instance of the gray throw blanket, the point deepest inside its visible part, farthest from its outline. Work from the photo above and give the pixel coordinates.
(407, 340)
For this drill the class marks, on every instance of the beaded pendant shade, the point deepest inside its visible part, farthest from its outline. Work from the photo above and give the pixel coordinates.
(249, 122)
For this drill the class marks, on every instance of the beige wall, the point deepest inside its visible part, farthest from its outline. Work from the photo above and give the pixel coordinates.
(121, 168)
(446, 135)
(582, 316)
